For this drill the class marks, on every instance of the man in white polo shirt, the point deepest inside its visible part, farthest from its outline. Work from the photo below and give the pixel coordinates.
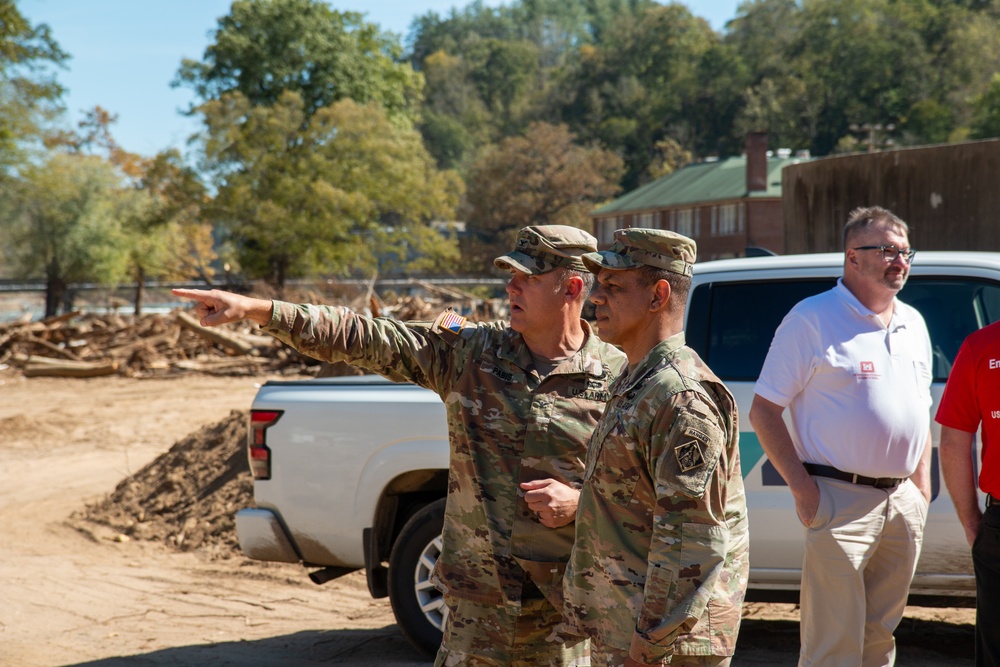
(853, 366)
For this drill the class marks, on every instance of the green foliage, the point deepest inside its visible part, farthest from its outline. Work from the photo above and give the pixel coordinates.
(986, 119)
(264, 48)
(29, 95)
(501, 71)
(65, 223)
(540, 178)
(167, 237)
(641, 84)
(455, 119)
(304, 194)
(822, 67)
(629, 74)
(929, 121)
(504, 64)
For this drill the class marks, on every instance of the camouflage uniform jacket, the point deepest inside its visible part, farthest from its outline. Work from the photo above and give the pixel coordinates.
(505, 424)
(660, 562)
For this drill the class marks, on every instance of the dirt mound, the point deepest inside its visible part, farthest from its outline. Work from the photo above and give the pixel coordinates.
(188, 496)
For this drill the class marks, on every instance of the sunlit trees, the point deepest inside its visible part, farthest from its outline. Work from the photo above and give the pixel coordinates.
(302, 195)
(64, 223)
(29, 93)
(264, 48)
(540, 178)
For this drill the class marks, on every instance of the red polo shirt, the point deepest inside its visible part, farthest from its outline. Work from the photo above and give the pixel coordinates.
(972, 396)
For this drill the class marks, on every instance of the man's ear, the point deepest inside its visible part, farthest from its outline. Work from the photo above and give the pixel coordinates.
(661, 295)
(573, 287)
(851, 257)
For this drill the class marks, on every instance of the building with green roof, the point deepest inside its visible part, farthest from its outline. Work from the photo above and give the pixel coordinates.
(726, 206)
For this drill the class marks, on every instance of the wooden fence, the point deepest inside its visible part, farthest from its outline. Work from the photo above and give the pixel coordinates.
(948, 194)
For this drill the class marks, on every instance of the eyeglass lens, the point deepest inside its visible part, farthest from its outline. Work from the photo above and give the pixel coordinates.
(891, 252)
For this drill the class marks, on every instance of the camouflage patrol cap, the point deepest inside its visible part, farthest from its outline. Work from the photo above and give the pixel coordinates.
(542, 248)
(651, 247)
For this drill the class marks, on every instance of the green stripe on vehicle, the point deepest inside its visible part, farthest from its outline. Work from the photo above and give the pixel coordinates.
(750, 451)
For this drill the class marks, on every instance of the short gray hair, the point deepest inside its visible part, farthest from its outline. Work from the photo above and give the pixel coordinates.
(871, 216)
(587, 277)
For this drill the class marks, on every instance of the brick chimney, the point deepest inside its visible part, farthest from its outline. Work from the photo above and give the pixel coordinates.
(756, 150)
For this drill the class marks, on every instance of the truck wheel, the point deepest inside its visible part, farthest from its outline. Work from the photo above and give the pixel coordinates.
(418, 606)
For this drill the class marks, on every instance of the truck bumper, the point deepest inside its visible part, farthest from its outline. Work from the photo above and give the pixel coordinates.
(262, 537)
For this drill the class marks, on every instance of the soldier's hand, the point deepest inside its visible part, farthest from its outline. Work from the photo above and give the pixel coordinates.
(216, 307)
(552, 501)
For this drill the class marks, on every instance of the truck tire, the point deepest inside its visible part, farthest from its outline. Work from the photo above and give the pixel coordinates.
(418, 606)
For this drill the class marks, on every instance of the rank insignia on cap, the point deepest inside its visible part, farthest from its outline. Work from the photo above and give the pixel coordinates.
(689, 455)
(450, 321)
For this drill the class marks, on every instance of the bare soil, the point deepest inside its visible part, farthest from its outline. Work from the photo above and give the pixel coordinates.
(117, 547)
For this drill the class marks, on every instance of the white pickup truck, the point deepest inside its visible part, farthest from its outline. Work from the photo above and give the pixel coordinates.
(351, 473)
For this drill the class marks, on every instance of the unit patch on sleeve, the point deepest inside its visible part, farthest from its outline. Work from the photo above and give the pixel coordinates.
(689, 455)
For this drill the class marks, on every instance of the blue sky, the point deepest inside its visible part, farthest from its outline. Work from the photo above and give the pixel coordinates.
(125, 53)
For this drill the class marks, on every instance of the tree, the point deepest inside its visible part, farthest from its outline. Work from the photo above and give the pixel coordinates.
(263, 48)
(505, 63)
(305, 194)
(162, 230)
(986, 119)
(455, 120)
(167, 237)
(641, 84)
(29, 94)
(65, 224)
(539, 178)
(501, 72)
(669, 157)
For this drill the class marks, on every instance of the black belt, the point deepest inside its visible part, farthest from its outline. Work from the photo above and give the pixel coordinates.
(818, 470)
(990, 501)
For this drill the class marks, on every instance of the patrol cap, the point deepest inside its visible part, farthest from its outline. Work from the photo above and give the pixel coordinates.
(542, 248)
(650, 247)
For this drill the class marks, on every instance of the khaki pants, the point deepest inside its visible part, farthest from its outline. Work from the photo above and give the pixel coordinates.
(860, 555)
(481, 635)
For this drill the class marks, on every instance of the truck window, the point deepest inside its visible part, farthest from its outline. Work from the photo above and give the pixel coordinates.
(730, 324)
(953, 308)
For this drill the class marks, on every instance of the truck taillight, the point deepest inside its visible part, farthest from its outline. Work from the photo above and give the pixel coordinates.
(257, 450)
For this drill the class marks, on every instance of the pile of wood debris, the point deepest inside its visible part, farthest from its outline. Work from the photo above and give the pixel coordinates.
(90, 345)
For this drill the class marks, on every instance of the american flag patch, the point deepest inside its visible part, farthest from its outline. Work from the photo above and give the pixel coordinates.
(451, 321)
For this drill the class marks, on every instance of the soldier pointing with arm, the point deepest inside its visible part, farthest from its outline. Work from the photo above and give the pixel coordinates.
(521, 399)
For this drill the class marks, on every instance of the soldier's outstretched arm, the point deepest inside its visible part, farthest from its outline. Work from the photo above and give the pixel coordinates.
(215, 307)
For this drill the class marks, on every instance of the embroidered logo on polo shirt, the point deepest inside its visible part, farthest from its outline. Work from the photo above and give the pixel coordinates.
(867, 371)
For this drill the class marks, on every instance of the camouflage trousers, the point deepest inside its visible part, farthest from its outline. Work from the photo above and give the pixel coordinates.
(481, 635)
(602, 655)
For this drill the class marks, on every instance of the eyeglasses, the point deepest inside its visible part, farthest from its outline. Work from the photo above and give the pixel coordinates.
(890, 252)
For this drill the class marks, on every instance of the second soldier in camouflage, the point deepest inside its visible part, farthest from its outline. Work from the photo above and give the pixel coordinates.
(659, 568)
